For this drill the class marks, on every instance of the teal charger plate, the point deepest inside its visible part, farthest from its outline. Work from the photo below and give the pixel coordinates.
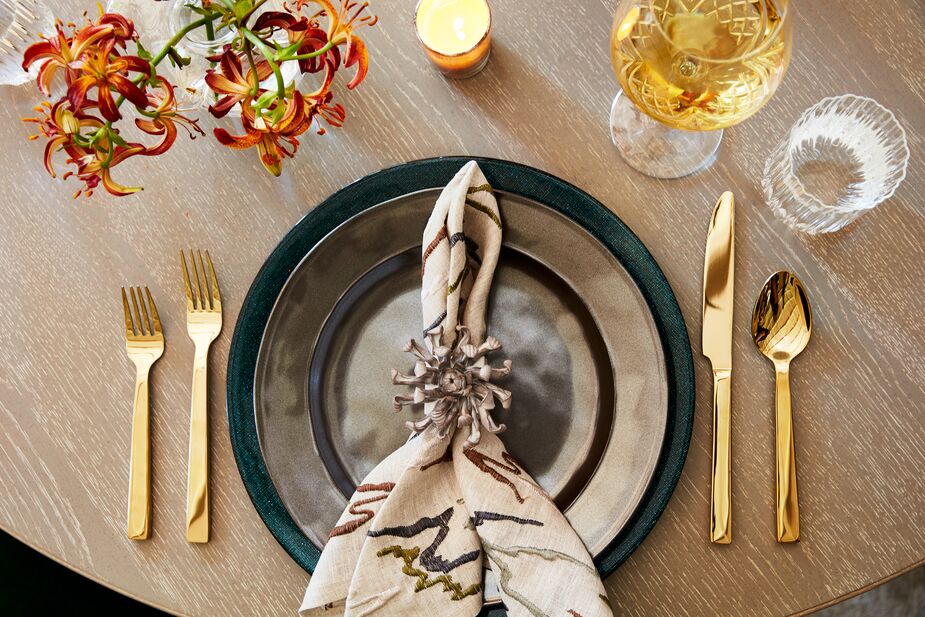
(414, 176)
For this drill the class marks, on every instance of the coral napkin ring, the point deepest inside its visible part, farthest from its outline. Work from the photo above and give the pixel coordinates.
(455, 383)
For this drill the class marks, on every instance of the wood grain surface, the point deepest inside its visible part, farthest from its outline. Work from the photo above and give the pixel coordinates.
(858, 390)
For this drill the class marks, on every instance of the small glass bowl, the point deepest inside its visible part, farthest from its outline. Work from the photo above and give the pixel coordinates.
(843, 157)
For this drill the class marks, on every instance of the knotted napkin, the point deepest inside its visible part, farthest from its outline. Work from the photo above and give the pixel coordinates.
(413, 538)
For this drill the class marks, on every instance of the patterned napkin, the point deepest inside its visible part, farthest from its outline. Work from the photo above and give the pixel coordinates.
(412, 541)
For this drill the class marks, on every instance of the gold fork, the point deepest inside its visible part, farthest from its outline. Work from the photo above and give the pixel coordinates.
(203, 323)
(144, 341)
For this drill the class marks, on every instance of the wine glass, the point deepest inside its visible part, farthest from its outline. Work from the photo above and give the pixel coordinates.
(693, 67)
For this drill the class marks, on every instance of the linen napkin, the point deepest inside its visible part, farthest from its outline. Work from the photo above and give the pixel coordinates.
(414, 536)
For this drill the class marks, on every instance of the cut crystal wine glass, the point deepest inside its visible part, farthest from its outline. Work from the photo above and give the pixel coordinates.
(688, 69)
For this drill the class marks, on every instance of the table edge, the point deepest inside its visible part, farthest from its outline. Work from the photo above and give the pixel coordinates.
(88, 575)
(806, 611)
(860, 590)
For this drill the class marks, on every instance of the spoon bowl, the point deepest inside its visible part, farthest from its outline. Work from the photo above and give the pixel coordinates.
(782, 323)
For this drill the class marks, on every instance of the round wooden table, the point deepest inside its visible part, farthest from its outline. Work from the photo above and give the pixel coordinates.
(543, 100)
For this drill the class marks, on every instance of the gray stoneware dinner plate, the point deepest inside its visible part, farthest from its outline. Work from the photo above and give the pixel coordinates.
(602, 381)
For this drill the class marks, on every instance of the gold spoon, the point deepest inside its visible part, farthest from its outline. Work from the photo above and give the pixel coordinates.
(781, 325)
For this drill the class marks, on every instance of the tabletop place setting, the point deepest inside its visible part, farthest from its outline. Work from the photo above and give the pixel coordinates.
(461, 385)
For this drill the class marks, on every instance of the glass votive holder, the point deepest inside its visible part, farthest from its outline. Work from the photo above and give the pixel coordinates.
(456, 34)
(844, 156)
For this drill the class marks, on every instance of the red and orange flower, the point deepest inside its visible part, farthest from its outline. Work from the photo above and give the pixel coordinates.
(269, 135)
(101, 69)
(232, 82)
(91, 151)
(164, 118)
(341, 25)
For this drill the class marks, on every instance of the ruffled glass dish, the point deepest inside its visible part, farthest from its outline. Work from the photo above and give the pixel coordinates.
(843, 157)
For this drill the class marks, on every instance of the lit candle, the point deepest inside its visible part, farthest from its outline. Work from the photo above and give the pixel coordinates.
(456, 34)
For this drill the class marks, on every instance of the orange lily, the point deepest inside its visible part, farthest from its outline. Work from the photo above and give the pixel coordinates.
(99, 76)
(236, 85)
(60, 125)
(164, 118)
(340, 30)
(93, 168)
(106, 72)
(267, 136)
(60, 51)
(69, 131)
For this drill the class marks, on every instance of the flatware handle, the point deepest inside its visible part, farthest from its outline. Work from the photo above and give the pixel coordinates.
(197, 493)
(721, 486)
(788, 509)
(139, 483)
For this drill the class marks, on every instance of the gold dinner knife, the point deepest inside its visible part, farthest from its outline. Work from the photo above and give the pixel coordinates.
(718, 270)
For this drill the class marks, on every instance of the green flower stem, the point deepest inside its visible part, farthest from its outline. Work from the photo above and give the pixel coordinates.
(327, 47)
(268, 54)
(169, 44)
(176, 38)
(249, 51)
(182, 32)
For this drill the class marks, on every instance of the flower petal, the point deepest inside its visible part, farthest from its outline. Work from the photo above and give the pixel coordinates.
(163, 127)
(222, 85)
(51, 147)
(357, 54)
(270, 155)
(231, 66)
(46, 74)
(122, 27)
(124, 152)
(222, 106)
(77, 90)
(115, 188)
(107, 105)
(126, 88)
(237, 142)
(149, 126)
(275, 19)
(328, 9)
(42, 49)
(86, 37)
(136, 64)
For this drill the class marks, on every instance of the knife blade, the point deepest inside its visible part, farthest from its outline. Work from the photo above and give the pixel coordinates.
(718, 275)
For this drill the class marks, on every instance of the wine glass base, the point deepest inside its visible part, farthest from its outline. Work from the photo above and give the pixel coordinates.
(656, 150)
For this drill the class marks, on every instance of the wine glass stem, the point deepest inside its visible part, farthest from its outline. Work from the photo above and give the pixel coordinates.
(658, 150)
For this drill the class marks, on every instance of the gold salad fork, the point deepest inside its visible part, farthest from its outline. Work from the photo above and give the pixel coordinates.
(203, 323)
(144, 341)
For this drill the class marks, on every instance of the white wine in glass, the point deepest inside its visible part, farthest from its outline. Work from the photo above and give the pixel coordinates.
(695, 67)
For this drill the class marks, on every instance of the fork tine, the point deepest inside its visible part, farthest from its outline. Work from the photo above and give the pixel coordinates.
(186, 282)
(192, 259)
(154, 316)
(216, 296)
(129, 327)
(144, 311)
(141, 326)
(206, 299)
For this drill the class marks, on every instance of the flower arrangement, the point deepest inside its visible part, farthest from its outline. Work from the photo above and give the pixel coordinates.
(100, 76)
